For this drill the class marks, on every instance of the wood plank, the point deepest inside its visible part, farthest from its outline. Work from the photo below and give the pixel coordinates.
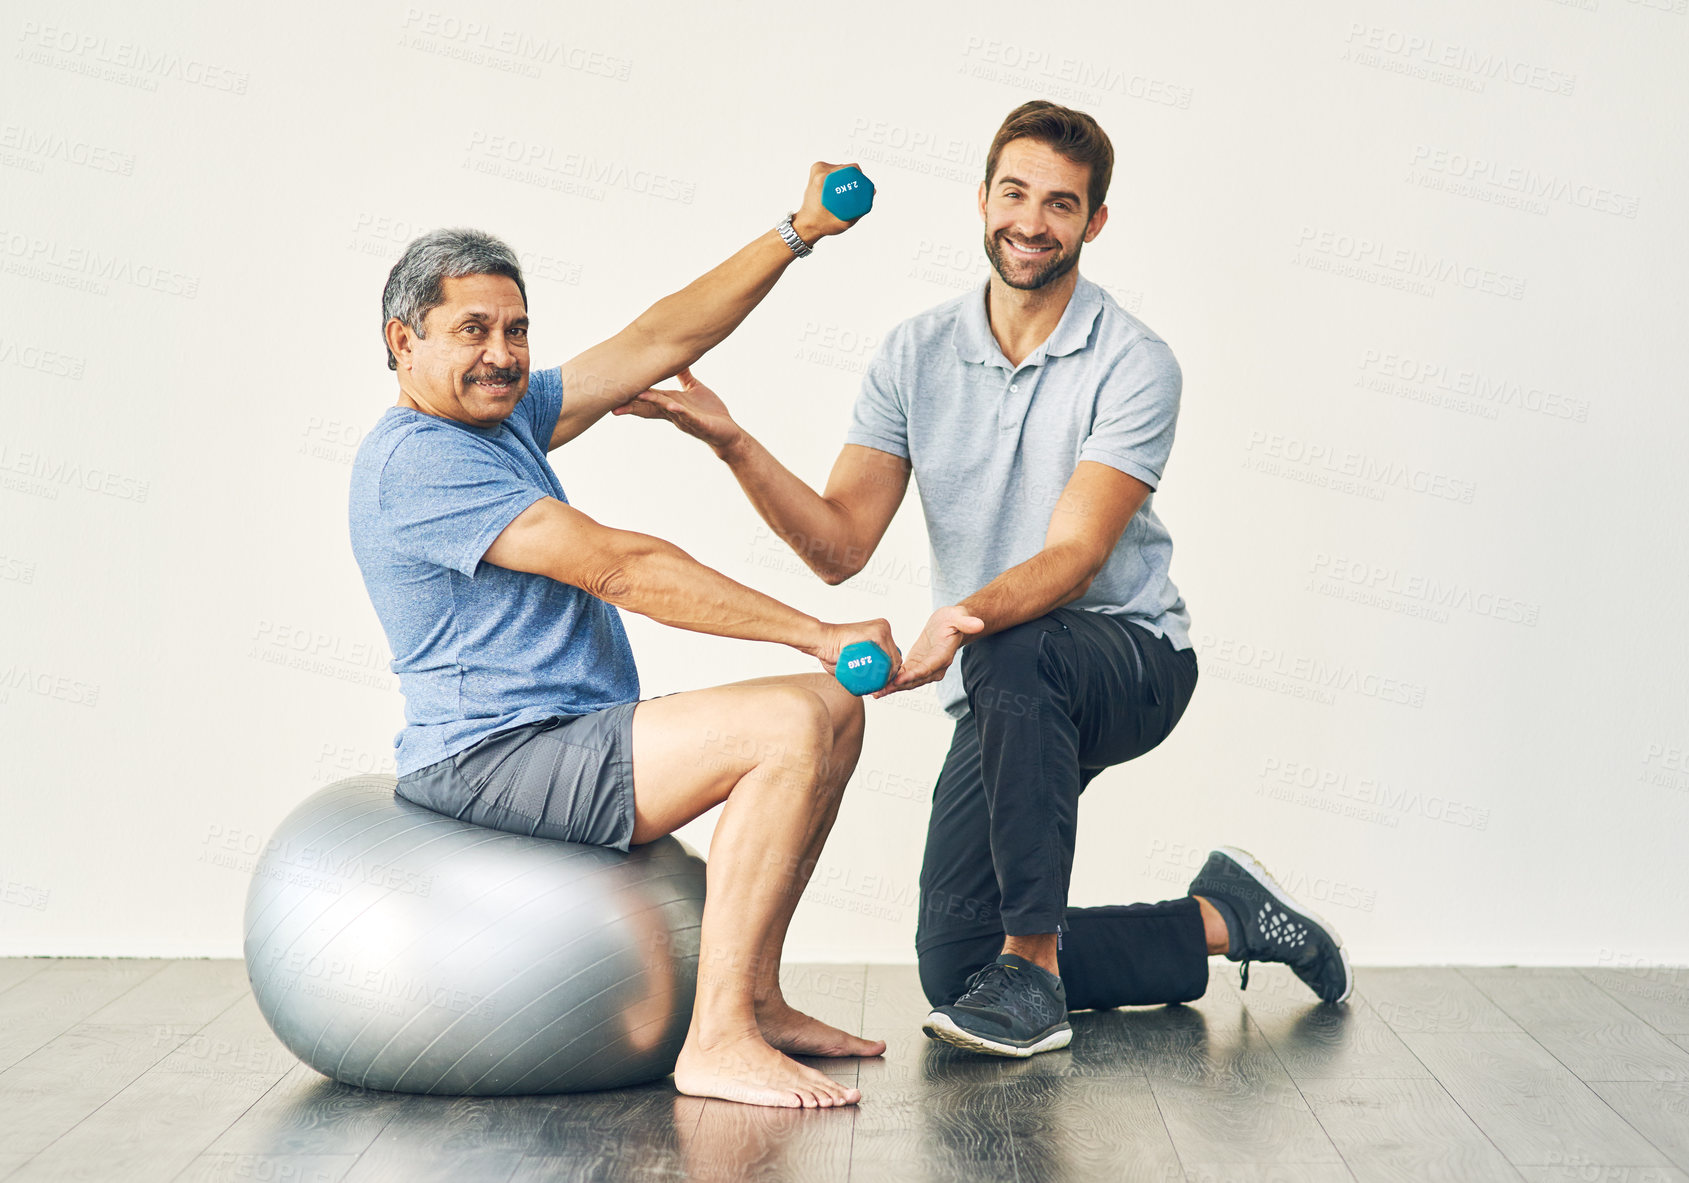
(1585, 1171)
(1221, 1089)
(15, 969)
(893, 997)
(627, 1134)
(160, 1122)
(734, 1143)
(948, 1127)
(1528, 1103)
(1314, 1041)
(457, 1138)
(1431, 999)
(943, 1152)
(1254, 1172)
(1582, 1026)
(47, 1092)
(1085, 1128)
(1658, 995)
(912, 1058)
(933, 1112)
(1403, 1131)
(305, 1114)
(1659, 1111)
(62, 1082)
(183, 994)
(152, 1130)
(1246, 1116)
(267, 1168)
(45, 1005)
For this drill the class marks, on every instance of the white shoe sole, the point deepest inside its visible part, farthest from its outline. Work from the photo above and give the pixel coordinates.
(942, 1026)
(1263, 876)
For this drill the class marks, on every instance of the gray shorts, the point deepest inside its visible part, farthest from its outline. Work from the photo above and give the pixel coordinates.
(569, 777)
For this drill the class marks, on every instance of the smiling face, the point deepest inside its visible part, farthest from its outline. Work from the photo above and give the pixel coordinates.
(472, 366)
(1035, 216)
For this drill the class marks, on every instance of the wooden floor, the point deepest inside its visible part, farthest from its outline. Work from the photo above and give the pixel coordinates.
(144, 1070)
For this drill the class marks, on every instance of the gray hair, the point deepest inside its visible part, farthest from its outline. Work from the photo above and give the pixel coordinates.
(415, 287)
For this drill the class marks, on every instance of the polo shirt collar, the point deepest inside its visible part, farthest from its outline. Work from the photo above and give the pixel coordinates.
(974, 342)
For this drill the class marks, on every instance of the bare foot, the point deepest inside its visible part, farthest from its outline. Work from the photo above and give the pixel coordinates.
(748, 1070)
(799, 1034)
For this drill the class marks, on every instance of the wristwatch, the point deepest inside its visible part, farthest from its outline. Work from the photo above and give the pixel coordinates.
(800, 248)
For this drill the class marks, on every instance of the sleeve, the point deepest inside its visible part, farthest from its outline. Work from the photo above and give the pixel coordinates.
(443, 500)
(1137, 410)
(880, 419)
(542, 404)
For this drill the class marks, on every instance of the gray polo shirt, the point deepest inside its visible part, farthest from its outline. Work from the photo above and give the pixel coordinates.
(992, 446)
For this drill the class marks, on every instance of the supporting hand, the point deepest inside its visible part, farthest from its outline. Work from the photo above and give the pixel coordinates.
(694, 408)
(933, 651)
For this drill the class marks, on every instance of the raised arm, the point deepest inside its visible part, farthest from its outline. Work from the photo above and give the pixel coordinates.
(680, 328)
(655, 578)
(834, 532)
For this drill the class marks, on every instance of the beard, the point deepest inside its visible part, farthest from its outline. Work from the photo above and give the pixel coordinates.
(1032, 275)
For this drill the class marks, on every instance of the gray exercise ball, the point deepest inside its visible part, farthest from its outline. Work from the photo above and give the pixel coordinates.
(392, 947)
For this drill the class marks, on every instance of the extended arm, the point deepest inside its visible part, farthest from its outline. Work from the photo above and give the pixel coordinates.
(680, 328)
(657, 579)
(1093, 511)
(834, 532)
(1087, 522)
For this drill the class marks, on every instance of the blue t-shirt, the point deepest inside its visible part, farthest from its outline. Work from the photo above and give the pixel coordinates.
(478, 648)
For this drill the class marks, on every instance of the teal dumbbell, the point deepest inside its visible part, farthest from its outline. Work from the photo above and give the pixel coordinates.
(847, 194)
(863, 667)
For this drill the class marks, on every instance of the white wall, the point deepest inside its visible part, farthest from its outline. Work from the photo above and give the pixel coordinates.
(200, 206)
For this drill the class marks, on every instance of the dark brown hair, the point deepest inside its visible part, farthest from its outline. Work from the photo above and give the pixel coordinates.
(1072, 133)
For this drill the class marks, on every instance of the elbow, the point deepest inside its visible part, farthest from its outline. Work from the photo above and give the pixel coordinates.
(613, 585)
(834, 571)
(1087, 576)
(616, 576)
(832, 559)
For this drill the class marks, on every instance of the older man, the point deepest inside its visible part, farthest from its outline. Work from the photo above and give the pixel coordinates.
(499, 599)
(1037, 417)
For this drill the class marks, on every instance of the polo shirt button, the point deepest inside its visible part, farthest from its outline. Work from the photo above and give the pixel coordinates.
(1014, 388)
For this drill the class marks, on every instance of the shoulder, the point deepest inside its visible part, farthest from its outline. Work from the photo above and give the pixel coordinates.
(545, 383)
(408, 444)
(1124, 341)
(924, 334)
(1119, 331)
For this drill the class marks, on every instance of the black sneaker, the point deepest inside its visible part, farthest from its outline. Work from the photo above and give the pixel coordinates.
(1266, 924)
(1012, 1007)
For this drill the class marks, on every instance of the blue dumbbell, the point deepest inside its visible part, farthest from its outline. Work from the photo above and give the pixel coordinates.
(863, 667)
(847, 194)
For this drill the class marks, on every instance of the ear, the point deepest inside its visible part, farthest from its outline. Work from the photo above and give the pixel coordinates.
(399, 341)
(982, 201)
(1098, 220)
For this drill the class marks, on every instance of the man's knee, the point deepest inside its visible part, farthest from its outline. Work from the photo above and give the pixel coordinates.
(846, 713)
(799, 725)
(945, 969)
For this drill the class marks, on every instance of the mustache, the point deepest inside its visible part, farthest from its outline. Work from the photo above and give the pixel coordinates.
(1031, 246)
(495, 375)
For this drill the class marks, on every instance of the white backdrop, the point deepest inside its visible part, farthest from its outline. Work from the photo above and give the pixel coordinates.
(1422, 265)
